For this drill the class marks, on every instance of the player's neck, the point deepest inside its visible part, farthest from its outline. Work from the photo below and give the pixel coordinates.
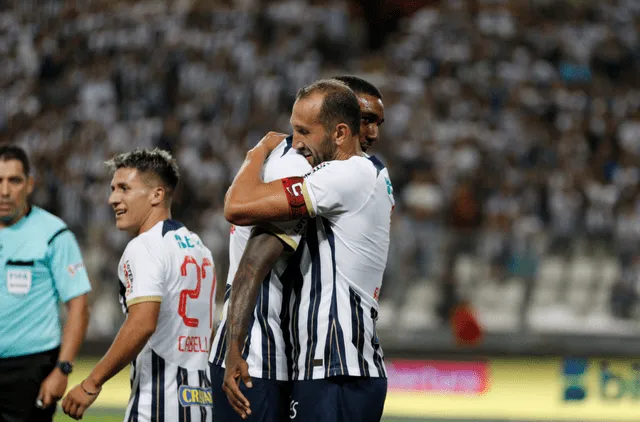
(349, 150)
(155, 216)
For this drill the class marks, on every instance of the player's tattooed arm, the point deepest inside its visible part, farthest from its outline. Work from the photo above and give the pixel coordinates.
(261, 253)
(251, 201)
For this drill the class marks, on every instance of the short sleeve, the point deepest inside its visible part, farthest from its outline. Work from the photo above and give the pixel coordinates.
(67, 266)
(142, 273)
(284, 162)
(335, 187)
(290, 232)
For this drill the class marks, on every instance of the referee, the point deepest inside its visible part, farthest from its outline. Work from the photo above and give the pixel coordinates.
(40, 266)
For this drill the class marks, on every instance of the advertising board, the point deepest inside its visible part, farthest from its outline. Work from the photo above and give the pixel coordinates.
(553, 389)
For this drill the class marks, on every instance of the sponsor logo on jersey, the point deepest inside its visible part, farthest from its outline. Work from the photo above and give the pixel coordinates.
(194, 396)
(128, 276)
(376, 294)
(74, 268)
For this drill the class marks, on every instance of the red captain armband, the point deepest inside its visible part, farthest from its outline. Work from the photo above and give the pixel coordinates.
(293, 189)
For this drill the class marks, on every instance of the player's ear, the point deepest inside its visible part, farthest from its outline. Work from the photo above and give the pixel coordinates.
(157, 195)
(342, 133)
(31, 182)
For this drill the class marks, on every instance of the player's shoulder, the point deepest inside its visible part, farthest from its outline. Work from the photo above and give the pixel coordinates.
(168, 226)
(285, 161)
(377, 164)
(285, 145)
(357, 169)
(152, 240)
(46, 224)
(138, 245)
(284, 150)
(174, 235)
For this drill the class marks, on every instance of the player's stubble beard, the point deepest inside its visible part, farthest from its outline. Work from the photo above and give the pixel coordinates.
(328, 149)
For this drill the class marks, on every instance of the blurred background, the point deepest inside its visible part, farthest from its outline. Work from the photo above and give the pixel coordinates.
(512, 136)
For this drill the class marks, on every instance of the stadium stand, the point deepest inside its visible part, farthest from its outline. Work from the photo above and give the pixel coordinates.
(512, 133)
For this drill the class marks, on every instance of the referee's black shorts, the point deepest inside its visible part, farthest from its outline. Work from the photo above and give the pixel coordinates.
(20, 379)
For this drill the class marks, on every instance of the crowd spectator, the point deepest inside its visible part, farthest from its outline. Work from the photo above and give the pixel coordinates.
(521, 110)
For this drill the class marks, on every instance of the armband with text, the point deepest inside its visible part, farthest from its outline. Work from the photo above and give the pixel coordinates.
(293, 187)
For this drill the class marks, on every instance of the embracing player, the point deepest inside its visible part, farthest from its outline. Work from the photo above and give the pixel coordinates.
(270, 400)
(258, 337)
(338, 364)
(167, 283)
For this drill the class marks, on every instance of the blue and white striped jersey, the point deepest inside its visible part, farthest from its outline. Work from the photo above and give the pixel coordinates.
(265, 347)
(334, 307)
(170, 376)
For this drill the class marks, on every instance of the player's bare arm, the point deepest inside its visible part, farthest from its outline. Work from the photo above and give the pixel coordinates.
(53, 387)
(132, 336)
(251, 201)
(219, 304)
(262, 251)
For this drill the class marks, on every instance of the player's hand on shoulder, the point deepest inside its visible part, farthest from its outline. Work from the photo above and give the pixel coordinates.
(271, 140)
(80, 398)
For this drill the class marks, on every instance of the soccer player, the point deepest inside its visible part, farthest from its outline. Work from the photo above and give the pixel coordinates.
(335, 346)
(167, 283)
(371, 109)
(41, 266)
(266, 247)
(265, 322)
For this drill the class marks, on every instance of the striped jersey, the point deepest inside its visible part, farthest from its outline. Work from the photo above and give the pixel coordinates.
(334, 307)
(170, 378)
(266, 344)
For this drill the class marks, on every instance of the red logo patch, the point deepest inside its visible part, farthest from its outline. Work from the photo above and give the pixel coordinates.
(376, 293)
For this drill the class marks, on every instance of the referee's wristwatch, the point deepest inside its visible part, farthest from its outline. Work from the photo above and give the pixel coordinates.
(65, 367)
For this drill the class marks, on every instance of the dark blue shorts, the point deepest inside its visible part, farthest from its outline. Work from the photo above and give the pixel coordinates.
(338, 399)
(269, 399)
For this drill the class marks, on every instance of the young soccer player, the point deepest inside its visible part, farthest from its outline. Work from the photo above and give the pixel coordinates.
(167, 283)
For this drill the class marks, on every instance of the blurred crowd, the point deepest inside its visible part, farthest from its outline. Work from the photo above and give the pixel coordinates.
(512, 127)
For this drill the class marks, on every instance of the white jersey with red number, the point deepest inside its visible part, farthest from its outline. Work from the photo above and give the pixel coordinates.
(335, 308)
(170, 378)
(266, 344)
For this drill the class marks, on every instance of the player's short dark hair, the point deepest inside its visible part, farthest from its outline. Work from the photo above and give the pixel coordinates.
(339, 105)
(155, 161)
(359, 85)
(14, 152)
